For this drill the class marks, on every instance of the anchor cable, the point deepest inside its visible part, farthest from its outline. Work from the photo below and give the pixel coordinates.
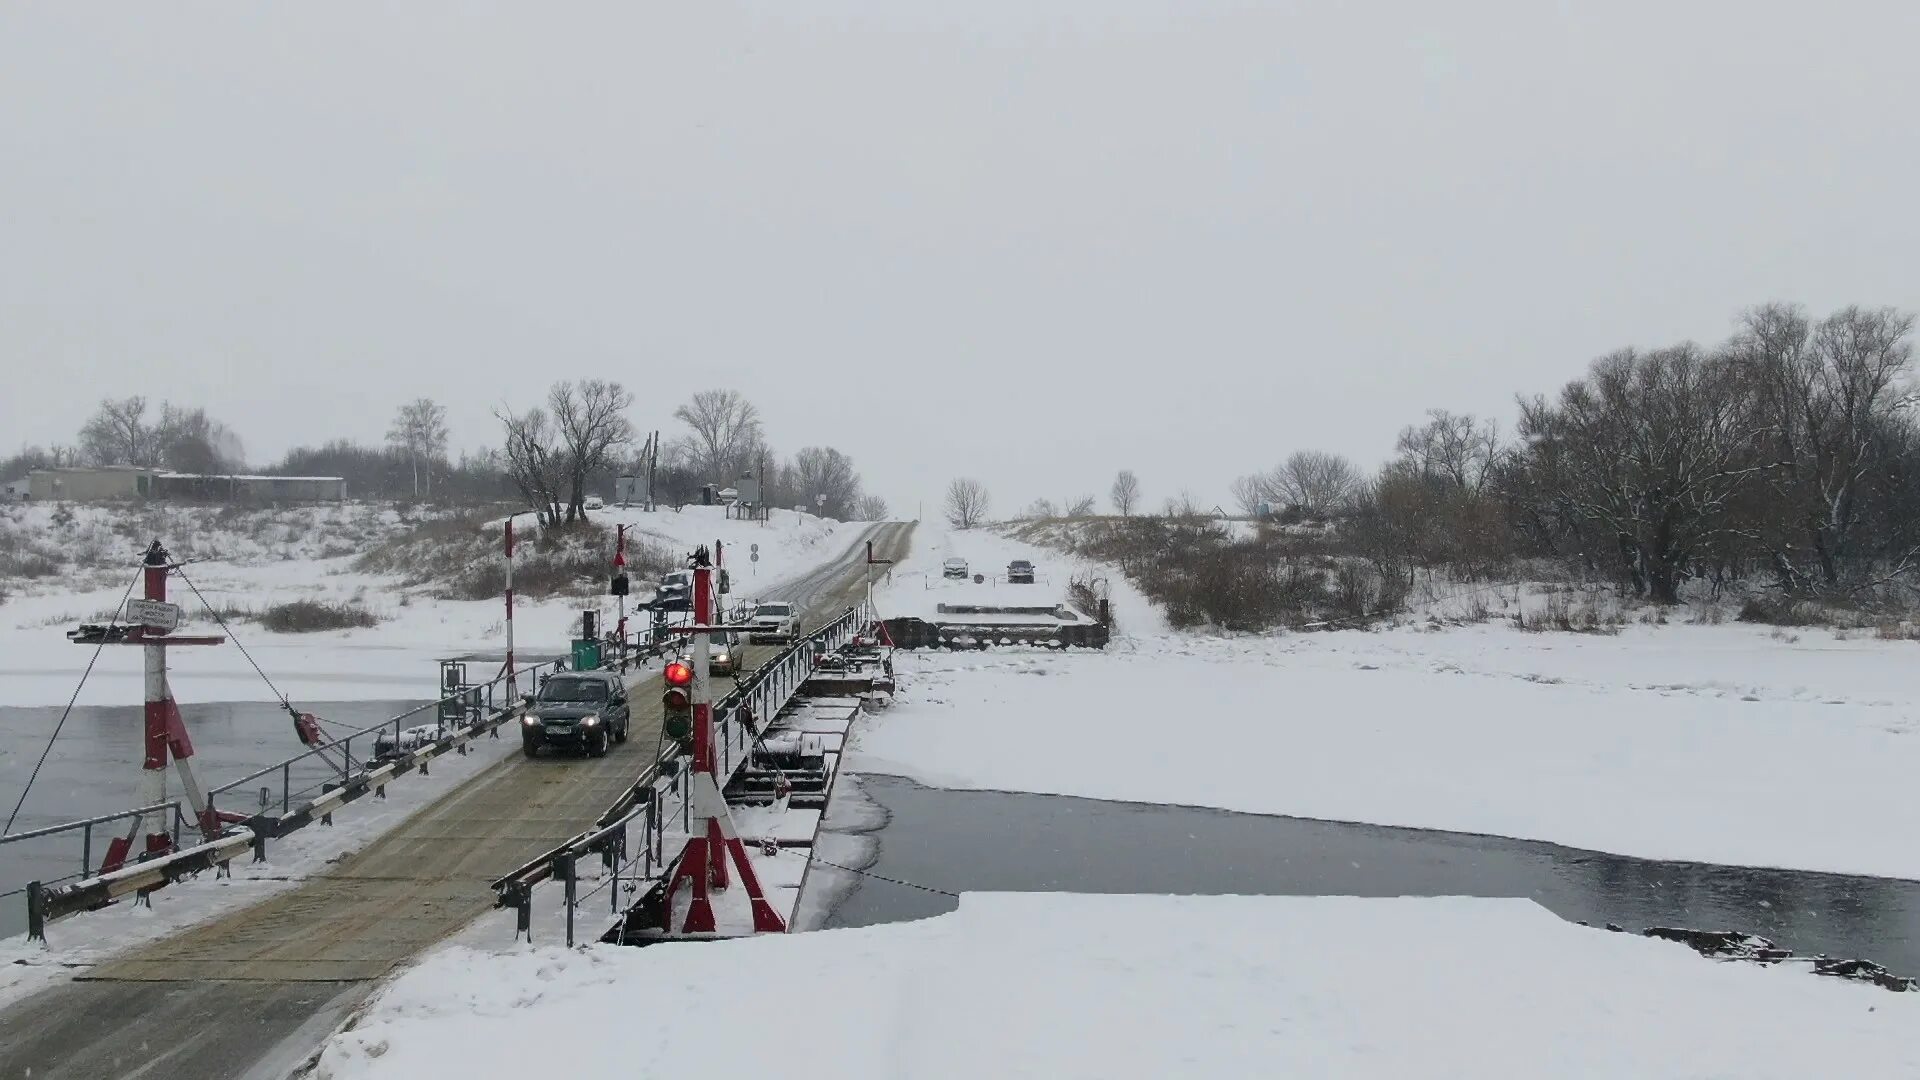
(880, 877)
(68, 711)
(285, 702)
(222, 622)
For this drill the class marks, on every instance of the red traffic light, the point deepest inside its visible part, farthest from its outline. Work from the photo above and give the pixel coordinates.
(678, 673)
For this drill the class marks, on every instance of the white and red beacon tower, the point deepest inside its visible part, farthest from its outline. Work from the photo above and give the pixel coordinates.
(150, 625)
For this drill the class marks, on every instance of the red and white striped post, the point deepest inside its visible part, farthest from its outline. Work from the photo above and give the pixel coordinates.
(619, 567)
(713, 837)
(513, 691)
(165, 733)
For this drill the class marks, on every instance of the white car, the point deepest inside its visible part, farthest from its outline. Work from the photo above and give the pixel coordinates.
(593, 502)
(725, 653)
(773, 621)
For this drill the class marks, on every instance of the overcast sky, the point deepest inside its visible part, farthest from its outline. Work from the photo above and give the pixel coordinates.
(1026, 241)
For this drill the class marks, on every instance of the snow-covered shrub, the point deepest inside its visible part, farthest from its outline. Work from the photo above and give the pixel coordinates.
(309, 616)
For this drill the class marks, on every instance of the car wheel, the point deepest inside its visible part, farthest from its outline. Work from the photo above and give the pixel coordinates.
(620, 734)
(598, 748)
(530, 747)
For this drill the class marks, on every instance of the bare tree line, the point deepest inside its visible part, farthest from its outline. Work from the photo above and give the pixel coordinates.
(1787, 454)
(552, 455)
(1785, 458)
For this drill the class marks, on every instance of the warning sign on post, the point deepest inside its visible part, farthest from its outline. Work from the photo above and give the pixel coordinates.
(153, 614)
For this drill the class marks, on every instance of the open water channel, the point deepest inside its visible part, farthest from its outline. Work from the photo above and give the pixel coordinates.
(94, 768)
(960, 841)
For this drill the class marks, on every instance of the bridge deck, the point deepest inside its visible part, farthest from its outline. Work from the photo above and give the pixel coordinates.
(408, 889)
(418, 882)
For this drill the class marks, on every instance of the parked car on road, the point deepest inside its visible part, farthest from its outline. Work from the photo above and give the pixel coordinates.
(593, 502)
(773, 621)
(1020, 572)
(954, 568)
(582, 710)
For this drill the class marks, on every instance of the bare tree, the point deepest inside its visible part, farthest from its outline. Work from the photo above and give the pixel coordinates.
(419, 431)
(118, 434)
(724, 438)
(1185, 506)
(535, 460)
(825, 480)
(1081, 506)
(1826, 394)
(1456, 448)
(1315, 481)
(1040, 509)
(590, 423)
(1651, 450)
(1125, 492)
(189, 441)
(872, 508)
(967, 503)
(1250, 493)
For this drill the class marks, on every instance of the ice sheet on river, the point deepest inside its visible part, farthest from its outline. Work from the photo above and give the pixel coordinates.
(1058, 985)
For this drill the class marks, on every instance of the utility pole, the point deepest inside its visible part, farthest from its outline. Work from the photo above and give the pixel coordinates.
(513, 691)
(620, 588)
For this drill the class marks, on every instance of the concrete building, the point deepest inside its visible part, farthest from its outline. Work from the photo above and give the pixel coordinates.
(259, 489)
(100, 484)
(124, 482)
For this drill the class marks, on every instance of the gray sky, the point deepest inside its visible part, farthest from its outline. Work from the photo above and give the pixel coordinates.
(1031, 242)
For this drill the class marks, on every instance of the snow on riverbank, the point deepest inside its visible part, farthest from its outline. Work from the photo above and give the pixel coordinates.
(1055, 985)
(394, 659)
(1717, 744)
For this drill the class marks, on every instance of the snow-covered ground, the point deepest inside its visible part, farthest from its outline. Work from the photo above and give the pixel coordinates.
(917, 587)
(1049, 985)
(38, 666)
(1713, 743)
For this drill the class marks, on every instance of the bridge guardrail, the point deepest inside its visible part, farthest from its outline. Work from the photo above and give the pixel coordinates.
(87, 888)
(739, 719)
(762, 694)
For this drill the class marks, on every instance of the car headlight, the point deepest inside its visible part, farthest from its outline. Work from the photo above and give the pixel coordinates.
(530, 720)
(722, 657)
(590, 719)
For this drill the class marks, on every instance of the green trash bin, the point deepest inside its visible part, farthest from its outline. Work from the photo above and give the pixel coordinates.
(586, 655)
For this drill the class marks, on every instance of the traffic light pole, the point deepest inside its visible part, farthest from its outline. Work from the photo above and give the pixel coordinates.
(713, 839)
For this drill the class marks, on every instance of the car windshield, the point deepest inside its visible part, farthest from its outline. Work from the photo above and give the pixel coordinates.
(956, 562)
(774, 609)
(570, 690)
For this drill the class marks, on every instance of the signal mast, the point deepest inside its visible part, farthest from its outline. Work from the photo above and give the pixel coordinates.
(688, 711)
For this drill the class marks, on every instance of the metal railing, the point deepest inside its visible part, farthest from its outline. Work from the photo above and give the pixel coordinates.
(487, 707)
(658, 797)
(345, 780)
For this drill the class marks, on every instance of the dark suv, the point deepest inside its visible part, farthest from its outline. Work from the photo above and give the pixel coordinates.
(582, 710)
(1020, 572)
(675, 592)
